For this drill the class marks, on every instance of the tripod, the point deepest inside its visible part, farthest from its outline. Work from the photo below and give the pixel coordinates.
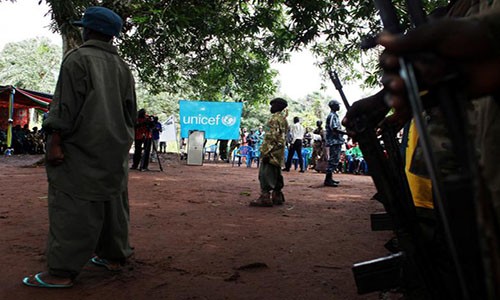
(149, 150)
(155, 152)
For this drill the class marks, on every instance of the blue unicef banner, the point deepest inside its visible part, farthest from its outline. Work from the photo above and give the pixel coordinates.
(219, 120)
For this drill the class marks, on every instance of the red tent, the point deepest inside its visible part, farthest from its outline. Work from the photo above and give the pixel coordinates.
(24, 98)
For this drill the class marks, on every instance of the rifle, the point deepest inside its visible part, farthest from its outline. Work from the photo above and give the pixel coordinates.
(454, 193)
(410, 267)
(460, 232)
(393, 192)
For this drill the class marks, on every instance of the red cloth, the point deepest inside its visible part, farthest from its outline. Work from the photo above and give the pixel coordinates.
(142, 131)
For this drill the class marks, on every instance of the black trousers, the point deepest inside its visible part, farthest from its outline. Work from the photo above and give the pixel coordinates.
(140, 157)
(137, 153)
(146, 154)
(223, 149)
(296, 146)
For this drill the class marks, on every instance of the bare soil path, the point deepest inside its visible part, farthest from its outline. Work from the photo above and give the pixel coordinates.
(195, 237)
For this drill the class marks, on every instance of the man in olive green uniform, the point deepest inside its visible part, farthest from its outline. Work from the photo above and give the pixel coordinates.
(91, 128)
(272, 153)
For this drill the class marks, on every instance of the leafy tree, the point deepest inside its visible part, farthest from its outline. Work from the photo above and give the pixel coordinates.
(221, 49)
(161, 105)
(32, 64)
(255, 115)
(309, 109)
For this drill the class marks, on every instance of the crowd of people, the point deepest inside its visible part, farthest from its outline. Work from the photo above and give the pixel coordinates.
(24, 140)
(350, 157)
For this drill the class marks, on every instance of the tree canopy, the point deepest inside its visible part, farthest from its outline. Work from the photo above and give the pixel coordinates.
(31, 64)
(222, 49)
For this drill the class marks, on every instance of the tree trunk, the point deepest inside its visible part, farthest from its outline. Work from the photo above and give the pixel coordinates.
(63, 13)
(71, 37)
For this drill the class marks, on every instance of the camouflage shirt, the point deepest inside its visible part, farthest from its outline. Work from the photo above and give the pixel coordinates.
(273, 146)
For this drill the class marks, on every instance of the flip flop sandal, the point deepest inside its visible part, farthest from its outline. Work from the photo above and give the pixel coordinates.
(42, 284)
(101, 262)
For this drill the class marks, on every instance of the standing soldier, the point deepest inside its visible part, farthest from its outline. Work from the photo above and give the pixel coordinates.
(334, 140)
(272, 153)
(90, 130)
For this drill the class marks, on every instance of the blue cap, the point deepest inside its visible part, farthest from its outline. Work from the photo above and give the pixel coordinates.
(102, 20)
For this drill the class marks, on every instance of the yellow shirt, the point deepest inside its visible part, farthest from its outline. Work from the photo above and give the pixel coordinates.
(421, 187)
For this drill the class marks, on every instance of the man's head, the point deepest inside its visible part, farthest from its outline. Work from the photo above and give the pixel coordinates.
(334, 105)
(296, 120)
(278, 104)
(101, 22)
(319, 123)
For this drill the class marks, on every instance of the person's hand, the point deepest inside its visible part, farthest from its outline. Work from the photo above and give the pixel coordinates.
(365, 113)
(55, 155)
(442, 49)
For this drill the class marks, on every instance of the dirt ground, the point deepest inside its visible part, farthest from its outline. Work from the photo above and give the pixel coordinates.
(195, 237)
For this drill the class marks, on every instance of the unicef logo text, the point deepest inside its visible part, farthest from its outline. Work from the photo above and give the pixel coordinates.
(227, 120)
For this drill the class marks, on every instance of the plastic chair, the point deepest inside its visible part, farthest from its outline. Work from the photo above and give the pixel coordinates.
(306, 155)
(212, 149)
(242, 152)
(254, 156)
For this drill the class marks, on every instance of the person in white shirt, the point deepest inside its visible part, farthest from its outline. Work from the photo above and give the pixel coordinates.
(297, 134)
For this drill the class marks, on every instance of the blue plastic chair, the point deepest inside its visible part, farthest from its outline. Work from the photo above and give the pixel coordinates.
(254, 156)
(212, 149)
(242, 152)
(306, 156)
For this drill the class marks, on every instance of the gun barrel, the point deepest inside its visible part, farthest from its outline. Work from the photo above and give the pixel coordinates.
(334, 77)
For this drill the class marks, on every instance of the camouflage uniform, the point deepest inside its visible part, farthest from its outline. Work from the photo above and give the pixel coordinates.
(334, 140)
(272, 152)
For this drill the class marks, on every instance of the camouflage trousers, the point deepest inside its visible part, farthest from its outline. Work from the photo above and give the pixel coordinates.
(333, 158)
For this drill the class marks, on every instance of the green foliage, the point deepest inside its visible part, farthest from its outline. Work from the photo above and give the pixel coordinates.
(312, 108)
(162, 105)
(32, 64)
(221, 50)
(334, 30)
(255, 115)
(309, 109)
